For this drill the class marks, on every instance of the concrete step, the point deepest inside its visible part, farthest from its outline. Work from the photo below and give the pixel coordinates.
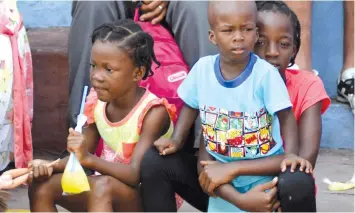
(338, 127)
(50, 76)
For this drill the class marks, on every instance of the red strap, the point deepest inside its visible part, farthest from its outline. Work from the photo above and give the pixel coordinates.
(136, 14)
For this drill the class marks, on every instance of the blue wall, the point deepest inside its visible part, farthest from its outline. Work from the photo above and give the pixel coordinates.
(45, 13)
(327, 42)
(327, 32)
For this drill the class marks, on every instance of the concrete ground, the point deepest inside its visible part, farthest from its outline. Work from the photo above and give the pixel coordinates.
(337, 165)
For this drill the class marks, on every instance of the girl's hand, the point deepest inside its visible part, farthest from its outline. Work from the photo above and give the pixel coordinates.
(41, 170)
(153, 11)
(293, 161)
(258, 200)
(76, 143)
(213, 175)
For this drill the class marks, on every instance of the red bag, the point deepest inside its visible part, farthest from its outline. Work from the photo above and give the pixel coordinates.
(173, 69)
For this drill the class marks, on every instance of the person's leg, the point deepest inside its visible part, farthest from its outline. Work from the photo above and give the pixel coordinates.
(107, 194)
(86, 16)
(189, 25)
(296, 191)
(347, 74)
(303, 10)
(348, 35)
(44, 196)
(163, 176)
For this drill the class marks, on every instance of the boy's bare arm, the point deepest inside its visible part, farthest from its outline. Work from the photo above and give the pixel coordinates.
(271, 165)
(255, 200)
(186, 119)
(202, 155)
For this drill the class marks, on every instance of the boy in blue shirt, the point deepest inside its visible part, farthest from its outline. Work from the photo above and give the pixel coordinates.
(242, 116)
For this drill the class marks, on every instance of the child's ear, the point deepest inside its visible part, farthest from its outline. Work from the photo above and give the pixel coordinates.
(212, 37)
(294, 51)
(257, 34)
(138, 73)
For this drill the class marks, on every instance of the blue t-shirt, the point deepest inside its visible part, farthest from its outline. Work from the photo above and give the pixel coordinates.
(238, 116)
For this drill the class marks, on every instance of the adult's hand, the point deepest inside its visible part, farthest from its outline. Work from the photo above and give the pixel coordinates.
(153, 11)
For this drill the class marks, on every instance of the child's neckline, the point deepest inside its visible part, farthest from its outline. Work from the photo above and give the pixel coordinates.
(239, 79)
(129, 115)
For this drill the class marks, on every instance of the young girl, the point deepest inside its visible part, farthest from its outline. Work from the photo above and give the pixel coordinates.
(278, 43)
(127, 117)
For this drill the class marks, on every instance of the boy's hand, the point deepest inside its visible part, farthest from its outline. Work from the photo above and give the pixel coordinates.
(293, 161)
(213, 175)
(166, 146)
(257, 200)
(76, 143)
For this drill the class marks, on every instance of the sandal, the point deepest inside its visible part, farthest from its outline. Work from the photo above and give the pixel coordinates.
(346, 87)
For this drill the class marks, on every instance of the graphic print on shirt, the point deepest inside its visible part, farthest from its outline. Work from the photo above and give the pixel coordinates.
(237, 134)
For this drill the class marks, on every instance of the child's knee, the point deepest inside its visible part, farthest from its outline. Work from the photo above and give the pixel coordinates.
(102, 187)
(296, 191)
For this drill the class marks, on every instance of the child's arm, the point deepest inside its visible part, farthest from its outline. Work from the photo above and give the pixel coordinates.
(310, 129)
(267, 201)
(40, 170)
(155, 124)
(92, 137)
(213, 174)
(255, 200)
(186, 119)
(218, 174)
(188, 92)
(202, 155)
(312, 102)
(289, 131)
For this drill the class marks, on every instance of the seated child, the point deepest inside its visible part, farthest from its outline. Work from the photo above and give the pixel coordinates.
(279, 42)
(128, 119)
(242, 117)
